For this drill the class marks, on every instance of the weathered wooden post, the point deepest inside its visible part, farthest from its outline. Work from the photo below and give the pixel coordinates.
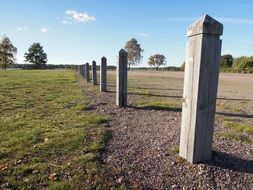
(121, 79)
(83, 70)
(103, 73)
(94, 73)
(87, 72)
(79, 70)
(200, 89)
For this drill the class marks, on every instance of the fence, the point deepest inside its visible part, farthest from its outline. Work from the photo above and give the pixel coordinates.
(200, 87)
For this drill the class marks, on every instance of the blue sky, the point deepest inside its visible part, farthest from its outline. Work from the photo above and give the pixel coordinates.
(79, 31)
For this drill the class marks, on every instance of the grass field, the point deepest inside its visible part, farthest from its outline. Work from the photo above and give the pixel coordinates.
(48, 140)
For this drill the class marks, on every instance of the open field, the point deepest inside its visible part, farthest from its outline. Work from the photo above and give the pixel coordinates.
(54, 129)
(158, 89)
(47, 140)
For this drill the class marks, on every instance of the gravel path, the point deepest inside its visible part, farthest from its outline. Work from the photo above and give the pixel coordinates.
(140, 153)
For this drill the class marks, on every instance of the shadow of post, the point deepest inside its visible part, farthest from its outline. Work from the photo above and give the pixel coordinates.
(234, 115)
(159, 108)
(228, 161)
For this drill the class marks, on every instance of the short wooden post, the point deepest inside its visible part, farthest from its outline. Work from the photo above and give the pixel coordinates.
(121, 79)
(94, 73)
(79, 69)
(103, 73)
(87, 72)
(200, 89)
(83, 71)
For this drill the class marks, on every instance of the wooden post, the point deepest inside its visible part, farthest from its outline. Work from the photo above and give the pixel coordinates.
(83, 71)
(79, 69)
(103, 73)
(121, 81)
(94, 73)
(200, 89)
(87, 72)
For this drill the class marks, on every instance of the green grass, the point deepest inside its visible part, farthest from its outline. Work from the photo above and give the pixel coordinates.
(234, 135)
(240, 127)
(44, 129)
(236, 130)
(174, 150)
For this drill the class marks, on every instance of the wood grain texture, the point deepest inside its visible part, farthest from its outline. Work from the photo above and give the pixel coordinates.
(199, 98)
(94, 73)
(121, 79)
(87, 72)
(103, 75)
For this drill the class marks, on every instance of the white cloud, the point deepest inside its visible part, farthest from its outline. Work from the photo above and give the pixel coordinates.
(25, 28)
(44, 30)
(142, 34)
(78, 17)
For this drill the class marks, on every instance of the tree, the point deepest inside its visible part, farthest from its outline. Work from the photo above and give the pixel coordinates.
(243, 63)
(134, 52)
(182, 68)
(151, 61)
(36, 55)
(157, 60)
(226, 61)
(7, 53)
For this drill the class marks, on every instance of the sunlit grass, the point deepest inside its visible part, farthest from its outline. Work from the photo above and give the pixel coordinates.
(44, 129)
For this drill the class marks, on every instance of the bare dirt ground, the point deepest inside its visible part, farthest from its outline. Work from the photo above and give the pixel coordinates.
(143, 150)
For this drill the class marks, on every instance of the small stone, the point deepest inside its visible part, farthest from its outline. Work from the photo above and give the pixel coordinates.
(174, 186)
(46, 139)
(201, 172)
(19, 162)
(35, 171)
(54, 177)
(120, 179)
(3, 167)
(26, 180)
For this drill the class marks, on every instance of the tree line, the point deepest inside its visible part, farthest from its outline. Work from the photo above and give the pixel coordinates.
(242, 64)
(36, 55)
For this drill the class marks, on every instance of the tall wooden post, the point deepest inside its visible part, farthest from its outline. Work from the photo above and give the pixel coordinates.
(94, 73)
(103, 73)
(121, 80)
(200, 89)
(87, 72)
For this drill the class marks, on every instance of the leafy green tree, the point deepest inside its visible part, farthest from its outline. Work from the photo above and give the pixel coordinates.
(36, 55)
(157, 60)
(226, 61)
(182, 68)
(151, 61)
(243, 63)
(134, 51)
(7, 53)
